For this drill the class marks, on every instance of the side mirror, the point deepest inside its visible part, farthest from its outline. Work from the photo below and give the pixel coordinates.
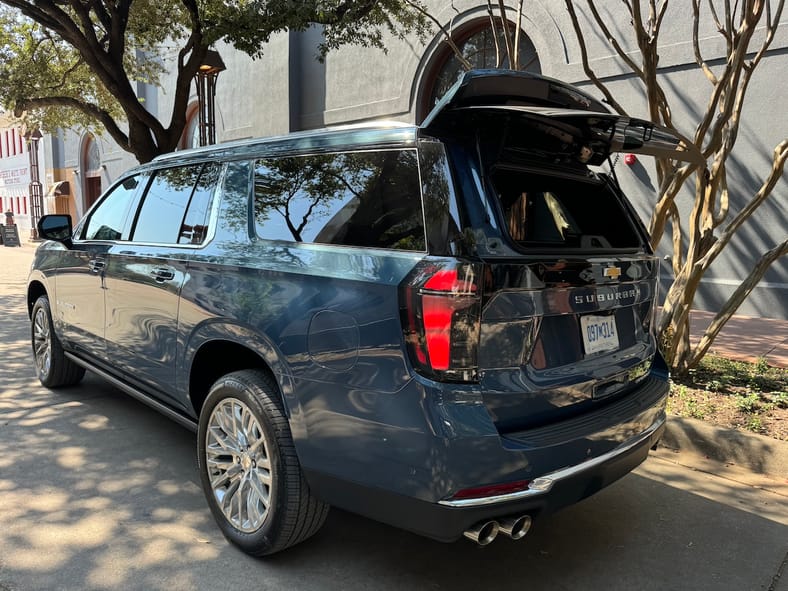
(56, 227)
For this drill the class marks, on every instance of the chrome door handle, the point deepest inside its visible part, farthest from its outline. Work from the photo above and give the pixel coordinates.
(162, 275)
(96, 265)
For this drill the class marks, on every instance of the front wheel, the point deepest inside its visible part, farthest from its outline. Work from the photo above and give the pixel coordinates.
(54, 369)
(249, 469)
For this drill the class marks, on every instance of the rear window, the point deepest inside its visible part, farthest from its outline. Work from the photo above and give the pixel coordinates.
(553, 212)
(369, 199)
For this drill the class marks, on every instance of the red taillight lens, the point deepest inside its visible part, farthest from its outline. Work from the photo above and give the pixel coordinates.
(437, 312)
(450, 280)
(441, 318)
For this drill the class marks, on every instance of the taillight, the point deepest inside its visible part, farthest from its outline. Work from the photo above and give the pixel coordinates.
(441, 315)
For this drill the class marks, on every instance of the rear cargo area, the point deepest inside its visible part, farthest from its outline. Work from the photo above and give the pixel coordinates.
(566, 326)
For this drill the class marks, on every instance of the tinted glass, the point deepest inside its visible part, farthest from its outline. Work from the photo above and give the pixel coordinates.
(195, 223)
(368, 199)
(555, 212)
(164, 206)
(55, 227)
(107, 220)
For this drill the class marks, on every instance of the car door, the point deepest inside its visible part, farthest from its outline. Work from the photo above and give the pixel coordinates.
(144, 275)
(81, 276)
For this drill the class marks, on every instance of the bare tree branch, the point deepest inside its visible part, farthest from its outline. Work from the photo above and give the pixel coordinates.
(719, 217)
(778, 167)
(491, 15)
(609, 99)
(516, 52)
(600, 22)
(446, 34)
(507, 34)
(660, 17)
(735, 300)
(696, 43)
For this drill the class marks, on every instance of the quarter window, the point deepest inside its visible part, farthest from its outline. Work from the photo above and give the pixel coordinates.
(368, 199)
(195, 223)
(108, 219)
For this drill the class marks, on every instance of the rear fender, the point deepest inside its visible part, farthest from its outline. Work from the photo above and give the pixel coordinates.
(215, 331)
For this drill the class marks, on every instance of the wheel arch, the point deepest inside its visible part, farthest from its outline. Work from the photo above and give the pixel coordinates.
(35, 289)
(221, 354)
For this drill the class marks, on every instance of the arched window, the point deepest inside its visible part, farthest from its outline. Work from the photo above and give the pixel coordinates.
(191, 132)
(91, 170)
(483, 48)
(92, 155)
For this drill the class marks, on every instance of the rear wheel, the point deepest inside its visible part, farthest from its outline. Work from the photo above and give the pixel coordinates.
(249, 469)
(54, 369)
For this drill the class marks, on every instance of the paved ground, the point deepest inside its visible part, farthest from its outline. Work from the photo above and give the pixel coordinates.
(746, 339)
(98, 492)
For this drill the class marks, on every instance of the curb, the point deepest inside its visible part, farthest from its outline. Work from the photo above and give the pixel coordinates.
(756, 453)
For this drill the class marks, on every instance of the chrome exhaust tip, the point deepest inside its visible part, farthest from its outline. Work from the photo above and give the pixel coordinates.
(482, 533)
(515, 527)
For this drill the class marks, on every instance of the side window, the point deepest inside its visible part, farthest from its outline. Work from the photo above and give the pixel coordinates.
(107, 220)
(163, 213)
(368, 199)
(195, 223)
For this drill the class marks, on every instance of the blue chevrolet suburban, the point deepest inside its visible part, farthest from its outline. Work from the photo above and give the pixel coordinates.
(445, 327)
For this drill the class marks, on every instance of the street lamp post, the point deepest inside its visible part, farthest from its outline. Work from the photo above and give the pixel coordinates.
(36, 195)
(205, 78)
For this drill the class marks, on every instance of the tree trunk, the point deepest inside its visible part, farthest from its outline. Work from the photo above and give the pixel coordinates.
(710, 226)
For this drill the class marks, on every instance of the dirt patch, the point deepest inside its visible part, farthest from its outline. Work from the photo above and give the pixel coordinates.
(746, 396)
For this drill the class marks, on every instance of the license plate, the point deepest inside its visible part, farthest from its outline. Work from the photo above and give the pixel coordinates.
(599, 333)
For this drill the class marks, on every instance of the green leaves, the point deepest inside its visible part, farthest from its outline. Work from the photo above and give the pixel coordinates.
(68, 63)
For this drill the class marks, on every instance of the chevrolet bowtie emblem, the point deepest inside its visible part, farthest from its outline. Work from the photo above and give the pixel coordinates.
(612, 272)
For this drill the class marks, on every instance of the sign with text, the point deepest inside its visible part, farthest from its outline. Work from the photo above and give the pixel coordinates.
(10, 235)
(14, 176)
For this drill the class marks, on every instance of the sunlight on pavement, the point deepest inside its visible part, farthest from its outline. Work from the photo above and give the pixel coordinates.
(94, 422)
(71, 457)
(743, 497)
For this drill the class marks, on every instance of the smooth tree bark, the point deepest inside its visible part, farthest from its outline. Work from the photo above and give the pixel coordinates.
(748, 28)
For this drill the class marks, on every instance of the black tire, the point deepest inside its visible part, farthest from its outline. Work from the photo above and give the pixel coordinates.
(54, 369)
(291, 514)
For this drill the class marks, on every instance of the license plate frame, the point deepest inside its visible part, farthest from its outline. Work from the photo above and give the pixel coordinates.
(599, 333)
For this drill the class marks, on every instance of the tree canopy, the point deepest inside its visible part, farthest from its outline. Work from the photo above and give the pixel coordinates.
(69, 63)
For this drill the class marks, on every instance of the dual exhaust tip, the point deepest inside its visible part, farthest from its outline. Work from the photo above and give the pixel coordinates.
(485, 532)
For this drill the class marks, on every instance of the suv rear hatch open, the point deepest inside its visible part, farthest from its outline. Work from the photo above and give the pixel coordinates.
(571, 116)
(567, 300)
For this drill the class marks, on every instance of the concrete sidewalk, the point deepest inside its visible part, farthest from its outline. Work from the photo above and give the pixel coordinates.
(746, 339)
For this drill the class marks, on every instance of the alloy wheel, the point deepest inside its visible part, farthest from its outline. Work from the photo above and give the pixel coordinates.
(42, 342)
(238, 464)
